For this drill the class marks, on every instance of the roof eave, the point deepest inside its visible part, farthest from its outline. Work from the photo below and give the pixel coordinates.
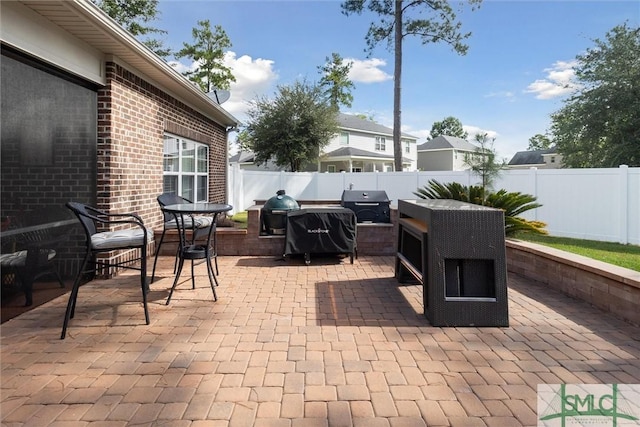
(120, 41)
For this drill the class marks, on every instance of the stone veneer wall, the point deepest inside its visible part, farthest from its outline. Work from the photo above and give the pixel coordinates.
(372, 239)
(613, 289)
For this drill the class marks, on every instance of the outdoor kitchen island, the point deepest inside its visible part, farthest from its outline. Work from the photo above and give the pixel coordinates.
(457, 251)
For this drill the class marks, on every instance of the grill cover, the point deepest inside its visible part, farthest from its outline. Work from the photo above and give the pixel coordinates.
(320, 230)
(369, 206)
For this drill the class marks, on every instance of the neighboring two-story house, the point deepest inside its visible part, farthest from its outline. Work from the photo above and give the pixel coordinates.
(445, 153)
(541, 159)
(361, 145)
(365, 146)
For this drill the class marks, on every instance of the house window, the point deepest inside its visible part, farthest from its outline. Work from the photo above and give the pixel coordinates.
(407, 145)
(344, 138)
(380, 143)
(356, 169)
(553, 160)
(185, 168)
(331, 168)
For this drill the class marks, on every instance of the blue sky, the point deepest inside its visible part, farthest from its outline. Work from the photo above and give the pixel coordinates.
(511, 80)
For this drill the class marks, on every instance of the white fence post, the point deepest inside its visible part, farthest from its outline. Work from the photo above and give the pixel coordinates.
(237, 191)
(624, 204)
(534, 179)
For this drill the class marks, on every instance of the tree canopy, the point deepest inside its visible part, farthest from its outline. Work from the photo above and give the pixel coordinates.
(484, 163)
(207, 51)
(599, 125)
(449, 126)
(335, 81)
(292, 128)
(134, 16)
(433, 21)
(539, 142)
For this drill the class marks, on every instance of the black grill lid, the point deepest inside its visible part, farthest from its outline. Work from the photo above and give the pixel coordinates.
(365, 196)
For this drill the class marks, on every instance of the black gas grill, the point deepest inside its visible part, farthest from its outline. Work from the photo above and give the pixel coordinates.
(369, 206)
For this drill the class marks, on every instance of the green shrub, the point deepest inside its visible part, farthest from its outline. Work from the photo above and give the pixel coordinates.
(512, 203)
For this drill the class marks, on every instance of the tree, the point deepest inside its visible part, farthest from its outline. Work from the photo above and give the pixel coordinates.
(292, 128)
(450, 126)
(599, 125)
(133, 16)
(243, 140)
(208, 53)
(483, 162)
(335, 81)
(403, 18)
(539, 142)
(369, 117)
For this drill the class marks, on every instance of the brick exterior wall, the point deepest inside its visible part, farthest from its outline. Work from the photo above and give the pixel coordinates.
(133, 116)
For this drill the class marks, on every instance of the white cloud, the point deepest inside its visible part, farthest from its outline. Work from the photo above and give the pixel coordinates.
(508, 95)
(368, 70)
(254, 77)
(474, 130)
(558, 82)
(421, 134)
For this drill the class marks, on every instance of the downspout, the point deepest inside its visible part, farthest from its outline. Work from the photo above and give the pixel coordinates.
(226, 163)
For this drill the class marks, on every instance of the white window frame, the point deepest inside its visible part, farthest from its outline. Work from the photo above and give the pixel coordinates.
(407, 145)
(331, 168)
(381, 143)
(356, 169)
(344, 138)
(179, 156)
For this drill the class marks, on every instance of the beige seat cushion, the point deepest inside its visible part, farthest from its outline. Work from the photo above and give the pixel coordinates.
(120, 239)
(200, 222)
(18, 259)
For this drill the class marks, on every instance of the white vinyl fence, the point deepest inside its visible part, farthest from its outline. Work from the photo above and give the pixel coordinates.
(595, 204)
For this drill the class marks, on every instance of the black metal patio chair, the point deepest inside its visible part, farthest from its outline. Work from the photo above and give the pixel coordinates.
(135, 237)
(170, 223)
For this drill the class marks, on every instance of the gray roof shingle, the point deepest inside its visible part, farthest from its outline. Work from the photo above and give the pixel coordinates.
(352, 122)
(533, 157)
(444, 142)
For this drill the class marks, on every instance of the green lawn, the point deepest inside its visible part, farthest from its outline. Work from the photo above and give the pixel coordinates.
(627, 256)
(240, 219)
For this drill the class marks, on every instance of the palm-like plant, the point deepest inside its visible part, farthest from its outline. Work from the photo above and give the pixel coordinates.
(512, 203)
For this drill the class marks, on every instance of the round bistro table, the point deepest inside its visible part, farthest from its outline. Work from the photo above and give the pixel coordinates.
(190, 249)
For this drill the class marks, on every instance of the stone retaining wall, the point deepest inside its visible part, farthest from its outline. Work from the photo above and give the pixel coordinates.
(613, 289)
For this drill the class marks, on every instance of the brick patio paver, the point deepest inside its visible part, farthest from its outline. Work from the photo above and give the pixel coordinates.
(329, 344)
